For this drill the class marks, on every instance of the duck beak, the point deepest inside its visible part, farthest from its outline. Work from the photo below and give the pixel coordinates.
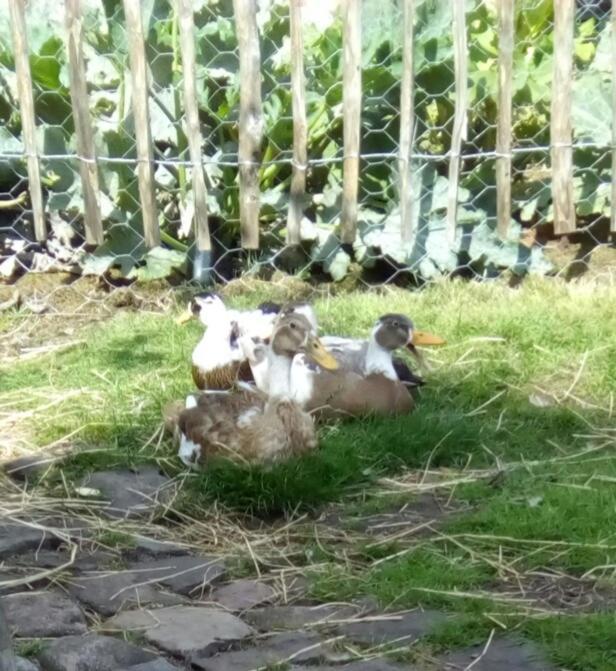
(320, 355)
(425, 339)
(184, 318)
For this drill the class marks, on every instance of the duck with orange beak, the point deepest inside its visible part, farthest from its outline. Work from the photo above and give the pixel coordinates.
(376, 354)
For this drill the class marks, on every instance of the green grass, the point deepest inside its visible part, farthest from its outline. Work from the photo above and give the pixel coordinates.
(544, 337)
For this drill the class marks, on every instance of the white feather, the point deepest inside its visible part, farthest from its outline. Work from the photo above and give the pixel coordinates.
(189, 452)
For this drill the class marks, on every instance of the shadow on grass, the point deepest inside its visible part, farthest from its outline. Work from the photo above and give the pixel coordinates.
(134, 352)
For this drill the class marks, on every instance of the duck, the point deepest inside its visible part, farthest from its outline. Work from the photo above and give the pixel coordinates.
(217, 360)
(251, 425)
(368, 379)
(375, 355)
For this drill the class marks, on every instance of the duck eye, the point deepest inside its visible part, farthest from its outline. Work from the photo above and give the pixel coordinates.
(395, 324)
(293, 325)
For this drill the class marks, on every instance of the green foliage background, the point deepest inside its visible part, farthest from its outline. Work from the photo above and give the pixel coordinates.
(429, 254)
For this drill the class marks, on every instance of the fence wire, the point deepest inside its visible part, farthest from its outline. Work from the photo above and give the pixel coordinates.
(377, 256)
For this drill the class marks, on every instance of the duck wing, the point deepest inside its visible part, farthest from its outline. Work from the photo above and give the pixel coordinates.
(405, 374)
(350, 353)
(344, 393)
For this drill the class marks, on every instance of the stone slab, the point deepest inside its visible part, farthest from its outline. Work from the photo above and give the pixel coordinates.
(17, 538)
(99, 560)
(271, 618)
(41, 559)
(91, 653)
(241, 595)
(109, 593)
(130, 492)
(158, 664)
(152, 547)
(27, 467)
(407, 627)
(378, 664)
(43, 615)
(302, 647)
(506, 653)
(24, 664)
(184, 631)
(184, 575)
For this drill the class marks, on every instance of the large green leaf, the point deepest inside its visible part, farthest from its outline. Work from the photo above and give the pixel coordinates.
(158, 264)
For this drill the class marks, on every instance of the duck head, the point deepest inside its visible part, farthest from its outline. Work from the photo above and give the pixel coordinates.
(395, 330)
(207, 307)
(305, 310)
(294, 334)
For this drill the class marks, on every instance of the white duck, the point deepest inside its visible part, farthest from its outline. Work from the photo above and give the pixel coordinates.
(217, 360)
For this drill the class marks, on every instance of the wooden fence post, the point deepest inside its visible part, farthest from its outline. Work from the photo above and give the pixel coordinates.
(300, 125)
(193, 130)
(251, 120)
(460, 114)
(88, 168)
(506, 11)
(145, 159)
(26, 107)
(351, 103)
(407, 124)
(560, 125)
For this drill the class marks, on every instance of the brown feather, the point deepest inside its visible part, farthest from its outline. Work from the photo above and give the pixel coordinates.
(344, 393)
(223, 377)
(171, 415)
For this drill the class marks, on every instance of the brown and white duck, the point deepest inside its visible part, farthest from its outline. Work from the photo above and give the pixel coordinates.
(376, 354)
(217, 360)
(369, 379)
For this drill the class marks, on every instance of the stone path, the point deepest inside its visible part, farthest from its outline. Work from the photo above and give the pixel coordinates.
(157, 607)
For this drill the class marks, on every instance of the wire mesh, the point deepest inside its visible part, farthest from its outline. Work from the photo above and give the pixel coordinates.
(377, 256)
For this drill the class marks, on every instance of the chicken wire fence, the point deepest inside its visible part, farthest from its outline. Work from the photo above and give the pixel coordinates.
(456, 94)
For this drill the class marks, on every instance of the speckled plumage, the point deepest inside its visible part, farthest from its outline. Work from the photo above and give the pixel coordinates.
(272, 429)
(223, 377)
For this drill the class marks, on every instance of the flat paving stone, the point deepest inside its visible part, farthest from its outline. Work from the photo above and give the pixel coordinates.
(92, 653)
(6, 576)
(362, 665)
(184, 631)
(109, 593)
(158, 664)
(99, 560)
(241, 595)
(303, 647)
(184, 575)
(405, 627)
(24, 468)
(271, 618)
(155, 548)
(43, 615)
(130, 492)
(39, 559)
(23, 664)
(506, 653)
(18, 538)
